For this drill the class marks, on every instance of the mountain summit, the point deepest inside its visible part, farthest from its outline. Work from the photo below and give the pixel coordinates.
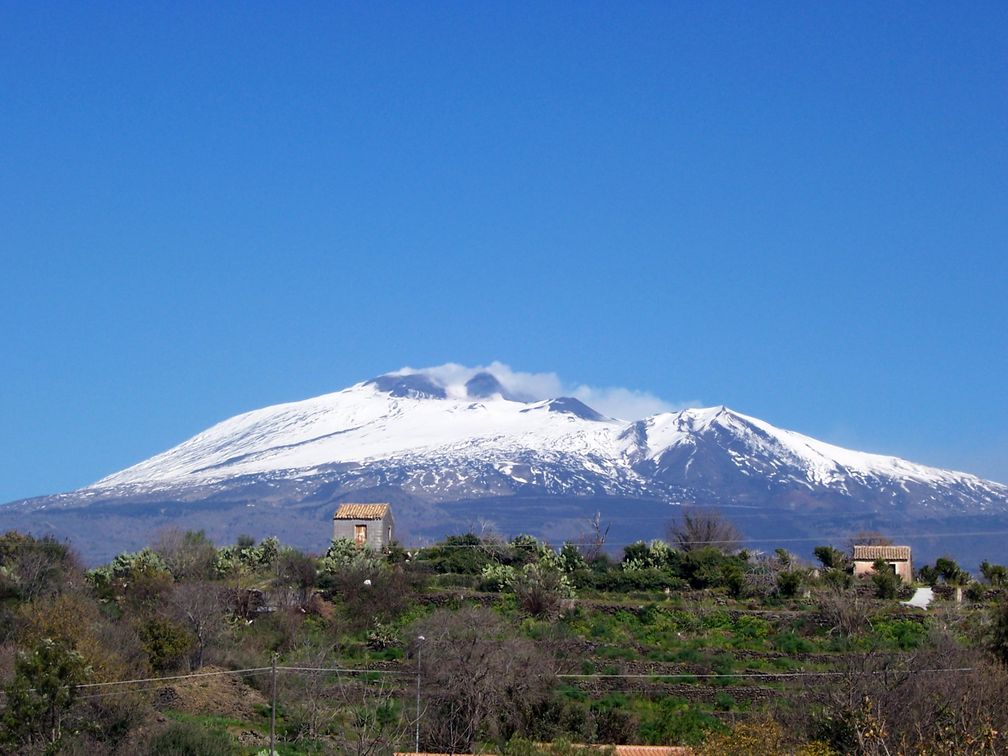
(442, 440)
(453, 453)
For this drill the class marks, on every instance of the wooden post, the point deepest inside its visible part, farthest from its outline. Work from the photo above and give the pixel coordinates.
(273, 709)
(416, 742)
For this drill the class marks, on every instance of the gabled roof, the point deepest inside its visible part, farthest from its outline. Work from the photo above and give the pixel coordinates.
(361, 512)
(618, 750)
(871, 553)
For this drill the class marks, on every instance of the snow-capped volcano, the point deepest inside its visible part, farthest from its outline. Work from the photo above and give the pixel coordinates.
(461, 449)
(381, 419)
(478, 438)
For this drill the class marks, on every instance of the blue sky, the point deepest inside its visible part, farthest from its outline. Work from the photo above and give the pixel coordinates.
(798, 210)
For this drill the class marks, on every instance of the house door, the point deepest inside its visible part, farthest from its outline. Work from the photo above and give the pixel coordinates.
(360, 534)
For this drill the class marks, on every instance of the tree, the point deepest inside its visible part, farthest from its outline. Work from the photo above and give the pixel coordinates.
(479, 678)
(591, 543)
(188, 555)
(948, 571)
(998, 641)
(870, 538)
(698, 528)
(200, 607)
(880, 702)
(995, 574)
(951, 572)
(831, 558)
(295, 578)
(33, 567)
(885, 580)
(43, 689)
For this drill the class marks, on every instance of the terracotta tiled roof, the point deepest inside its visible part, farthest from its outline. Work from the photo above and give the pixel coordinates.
(361, 511)
(620, 750)
(871, 553)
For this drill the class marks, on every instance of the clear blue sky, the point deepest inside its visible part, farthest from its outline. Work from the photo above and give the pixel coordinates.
(800, 211)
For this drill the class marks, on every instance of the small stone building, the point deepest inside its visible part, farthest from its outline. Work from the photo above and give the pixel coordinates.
(897, 557)
(365, 524)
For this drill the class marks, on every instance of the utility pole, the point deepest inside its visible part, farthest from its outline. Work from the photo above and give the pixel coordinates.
(416, 742)
(273, 708)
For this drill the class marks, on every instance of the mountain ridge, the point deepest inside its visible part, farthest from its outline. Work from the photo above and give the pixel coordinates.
(404, 415)
(477, 451)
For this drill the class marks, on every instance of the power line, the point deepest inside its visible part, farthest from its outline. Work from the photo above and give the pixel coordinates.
(565, 676)
(346, 670)
(175, 677)
(759, 675)
(804, 539)
(149, 689)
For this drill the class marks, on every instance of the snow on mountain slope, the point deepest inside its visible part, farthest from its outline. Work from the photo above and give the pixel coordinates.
(823, 463)
(365, 422)
(477, 438)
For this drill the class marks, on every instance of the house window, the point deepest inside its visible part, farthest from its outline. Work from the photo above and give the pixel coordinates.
(360, 534)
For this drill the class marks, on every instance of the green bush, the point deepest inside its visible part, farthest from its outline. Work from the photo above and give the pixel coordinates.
(904, 634)
(791, 643)
(789, 583)
(751, 628)
(724, 702)
(167, 644)
(618, 580)
(674, 721)
(464, 554)
(998, 634)
(886, 582)
(451, 580)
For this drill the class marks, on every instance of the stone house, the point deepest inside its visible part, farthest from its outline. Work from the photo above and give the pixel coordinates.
(897, 557)
(365, 524)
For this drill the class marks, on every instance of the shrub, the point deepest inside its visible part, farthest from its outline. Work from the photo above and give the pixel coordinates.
(976, 592)
(886, 582)
(751, 628)
(465, 554)
(343, 555)
(995, 574)
(831, 558)
(998, 639)
(33, 567)
(675, 721)
(541, 590)
(496, 577)
(188, 555)
(244, 556)
(626, 581)
(790, 582)
(521, 747)
(905, 634)
(710, 568)
(43, 689)
(836, 580)
(167, 643)
(763, 736)
(369, 597)
(791, 643)
(571, 558)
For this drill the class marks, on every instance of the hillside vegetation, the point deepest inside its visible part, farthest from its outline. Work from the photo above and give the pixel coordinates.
(500, 645)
